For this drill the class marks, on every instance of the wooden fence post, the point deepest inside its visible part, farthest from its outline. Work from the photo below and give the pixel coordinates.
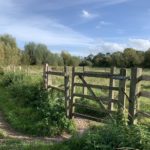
(67, 92)
(45, 76)
(122, 89)
(50, 80)
(84, 90)
(133, 96)
(71, 111)
(111, 92)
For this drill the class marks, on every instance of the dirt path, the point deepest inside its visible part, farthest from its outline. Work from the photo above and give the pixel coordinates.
(81, 124)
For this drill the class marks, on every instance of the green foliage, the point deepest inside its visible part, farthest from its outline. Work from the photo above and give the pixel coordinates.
(107, 137)
(9, 52)
(111, 137)
(33, 110)
(1, 71)
(1, 135)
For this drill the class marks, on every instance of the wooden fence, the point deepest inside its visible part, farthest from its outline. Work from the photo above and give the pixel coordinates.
(106, 103)
(135, 93)
(65, 74)
(102, 101)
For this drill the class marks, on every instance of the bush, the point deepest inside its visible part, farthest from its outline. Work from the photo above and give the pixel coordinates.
(35, 110)
(112, 137)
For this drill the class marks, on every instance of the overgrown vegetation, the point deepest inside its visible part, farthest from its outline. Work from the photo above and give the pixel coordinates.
(107, 137)
(31, 109)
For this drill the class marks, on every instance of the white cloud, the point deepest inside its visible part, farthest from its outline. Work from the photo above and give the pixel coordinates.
(141, 44)
(29, 28)
(105, 46)
(86, 14)
(46, 31)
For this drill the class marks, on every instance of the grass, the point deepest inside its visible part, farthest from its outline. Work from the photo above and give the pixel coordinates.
(32, 110)
(107, 137)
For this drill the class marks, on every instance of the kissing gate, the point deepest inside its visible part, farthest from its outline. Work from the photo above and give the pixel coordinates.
(106, 103)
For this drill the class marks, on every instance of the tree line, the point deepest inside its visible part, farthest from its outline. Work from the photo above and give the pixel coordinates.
(128, 58)
(38, 54)
(32, 54)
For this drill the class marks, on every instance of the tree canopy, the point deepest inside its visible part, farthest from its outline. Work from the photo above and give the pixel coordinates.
(38, 54)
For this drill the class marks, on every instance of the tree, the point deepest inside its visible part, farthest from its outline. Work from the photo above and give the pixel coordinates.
(147, 58)
(130, 57)
(10, 53)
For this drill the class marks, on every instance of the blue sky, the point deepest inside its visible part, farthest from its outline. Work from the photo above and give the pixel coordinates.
(79, 26)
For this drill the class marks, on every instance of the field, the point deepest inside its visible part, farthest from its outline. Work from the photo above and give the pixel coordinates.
(32, 111)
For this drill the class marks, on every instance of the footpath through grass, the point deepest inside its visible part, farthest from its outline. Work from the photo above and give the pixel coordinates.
(31, 110)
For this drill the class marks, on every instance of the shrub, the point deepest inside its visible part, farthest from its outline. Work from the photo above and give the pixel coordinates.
(35, 110)
(112, 137)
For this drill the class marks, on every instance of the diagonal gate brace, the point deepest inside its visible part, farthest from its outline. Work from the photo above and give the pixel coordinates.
(93, 94)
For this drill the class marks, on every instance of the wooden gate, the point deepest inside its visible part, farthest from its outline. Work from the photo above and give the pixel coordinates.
(105, 103)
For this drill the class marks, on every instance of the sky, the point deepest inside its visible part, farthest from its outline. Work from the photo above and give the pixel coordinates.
(81, 27)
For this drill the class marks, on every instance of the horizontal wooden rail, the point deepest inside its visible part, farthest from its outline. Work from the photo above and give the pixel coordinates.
(92, 108)
(104, 99)
(145, 94)
(56, 73)
(56, 88)
(97, 86)
(101, 75)
(145, 114)
(88, 117)
(146, 78)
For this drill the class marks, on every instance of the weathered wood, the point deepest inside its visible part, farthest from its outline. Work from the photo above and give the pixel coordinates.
(55, 73)
(146, 78)
(45, 76)
(104, 99)
(67, 92)
(88, 117)
(145, 94)
(145, 114)
(56, 88)
(134, 90)
(122, 90)
(93, 94)
(92, 108)
(71, 108)
(98, 86)
(111, 92)
(50, 80)
(101, 75)
(84, 89)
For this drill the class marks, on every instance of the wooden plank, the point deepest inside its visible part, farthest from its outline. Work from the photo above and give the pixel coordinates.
(92, 108)
(84, 89)
(56, 88)
(93, 94)
(56, 73)
(146, 78)
(134, 90)
(121, 95)
(111, 92)
(101, 75)
(145, 94)
(103, 98)
(45, 76)
(88, 117)
(67, 92)
(98, 86)
(72, 100)
(145, 114)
